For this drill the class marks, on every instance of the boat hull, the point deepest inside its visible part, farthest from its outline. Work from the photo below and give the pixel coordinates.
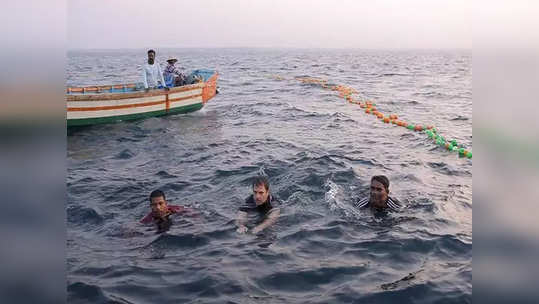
(98, 108)
(125, 117)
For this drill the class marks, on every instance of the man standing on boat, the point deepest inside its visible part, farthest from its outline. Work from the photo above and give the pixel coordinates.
(152, 74)
(379, 199)
(259, 205)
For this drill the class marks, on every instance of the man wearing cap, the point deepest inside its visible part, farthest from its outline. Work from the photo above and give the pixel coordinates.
(379, 199)
(152, 74)
(173, 76)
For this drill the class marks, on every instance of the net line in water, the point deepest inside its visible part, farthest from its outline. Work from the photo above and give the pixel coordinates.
(348, 93)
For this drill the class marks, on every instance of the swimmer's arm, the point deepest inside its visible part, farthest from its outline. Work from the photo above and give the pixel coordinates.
(270, 220)
(188, 211)
(241, 219)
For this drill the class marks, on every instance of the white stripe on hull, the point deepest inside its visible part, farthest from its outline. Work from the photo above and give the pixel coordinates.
(115, 102)
(121, 102)
(186, 102)
(127, 111)
(185, 94)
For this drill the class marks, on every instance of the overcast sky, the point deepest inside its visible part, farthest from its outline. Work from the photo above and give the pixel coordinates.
(269, 23)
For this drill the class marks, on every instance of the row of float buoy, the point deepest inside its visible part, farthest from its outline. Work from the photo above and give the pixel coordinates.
(370, 108)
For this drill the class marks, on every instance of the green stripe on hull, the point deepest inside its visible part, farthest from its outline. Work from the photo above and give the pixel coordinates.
(111, 119)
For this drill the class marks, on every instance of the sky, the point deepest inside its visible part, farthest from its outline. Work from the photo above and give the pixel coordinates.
(381, 24)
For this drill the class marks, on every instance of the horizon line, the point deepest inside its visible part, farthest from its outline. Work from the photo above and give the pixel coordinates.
(271, 47)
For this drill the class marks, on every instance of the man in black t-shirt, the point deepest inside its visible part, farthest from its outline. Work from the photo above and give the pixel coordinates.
(260, 204)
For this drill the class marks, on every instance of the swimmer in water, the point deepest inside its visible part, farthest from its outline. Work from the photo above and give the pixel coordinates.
(161, 211)
(379, 199)
(262, 204)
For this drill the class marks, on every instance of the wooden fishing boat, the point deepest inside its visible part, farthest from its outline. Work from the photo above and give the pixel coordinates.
(111, 103)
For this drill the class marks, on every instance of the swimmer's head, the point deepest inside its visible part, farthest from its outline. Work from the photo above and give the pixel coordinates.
(379, 190)
(158, 203)
(260, 190)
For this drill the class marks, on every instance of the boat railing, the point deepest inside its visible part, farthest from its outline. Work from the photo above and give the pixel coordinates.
(119, 88)
(129, 87)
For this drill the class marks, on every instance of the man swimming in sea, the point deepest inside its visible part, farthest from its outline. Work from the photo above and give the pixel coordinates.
(260, 204)
(379, 199)
(161, 211)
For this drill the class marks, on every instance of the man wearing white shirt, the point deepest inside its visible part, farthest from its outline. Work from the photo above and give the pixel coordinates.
(152, 73)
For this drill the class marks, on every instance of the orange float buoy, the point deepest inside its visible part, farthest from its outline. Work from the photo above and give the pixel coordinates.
(380, 115)
(373, 108)
(368, 110)
(418, 128)
(429, 127)
(386, 119)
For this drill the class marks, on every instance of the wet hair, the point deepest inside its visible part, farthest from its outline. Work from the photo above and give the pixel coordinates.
(151, 51)
(382, 179)
(261, 180)
(157, 193)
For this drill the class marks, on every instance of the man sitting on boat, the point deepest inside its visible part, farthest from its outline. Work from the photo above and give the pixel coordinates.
(173, 76)
(152, 75)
